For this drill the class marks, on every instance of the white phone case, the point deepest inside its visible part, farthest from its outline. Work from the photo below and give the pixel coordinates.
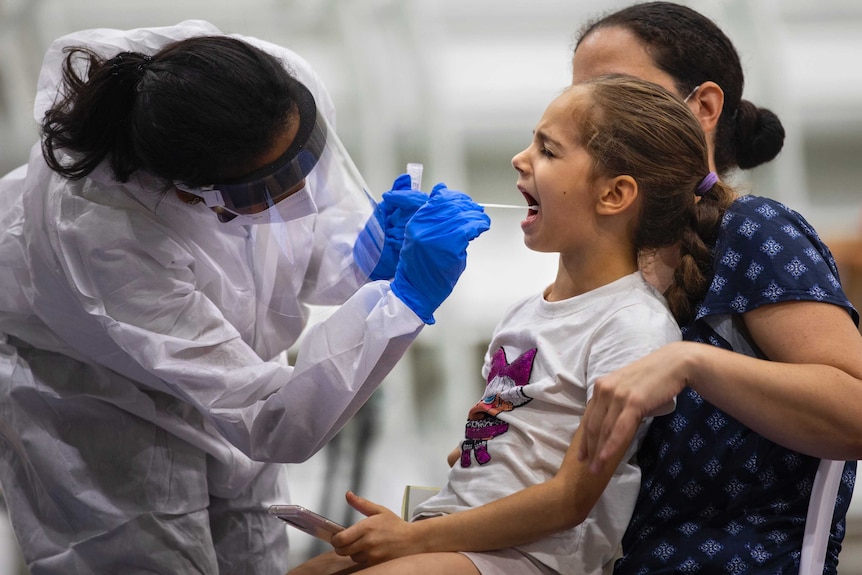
(307, 521)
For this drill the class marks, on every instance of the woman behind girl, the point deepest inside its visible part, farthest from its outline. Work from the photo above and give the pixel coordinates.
(617, 166)
(777, 392)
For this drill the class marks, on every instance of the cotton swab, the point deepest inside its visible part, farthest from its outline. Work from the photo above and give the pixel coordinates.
(509, 207)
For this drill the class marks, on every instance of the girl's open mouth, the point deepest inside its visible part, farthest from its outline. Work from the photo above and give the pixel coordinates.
(532, 204)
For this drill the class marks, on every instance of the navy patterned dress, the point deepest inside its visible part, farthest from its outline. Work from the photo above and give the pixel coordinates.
(716, 497)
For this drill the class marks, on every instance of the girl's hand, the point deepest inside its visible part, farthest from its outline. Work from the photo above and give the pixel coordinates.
(622, 399)
(381, 537)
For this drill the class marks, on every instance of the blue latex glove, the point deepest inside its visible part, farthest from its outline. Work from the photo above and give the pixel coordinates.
(392, 213)
(434, 253)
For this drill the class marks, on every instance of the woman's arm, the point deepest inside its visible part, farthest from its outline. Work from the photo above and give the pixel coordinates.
(560, 503)
(807, 398)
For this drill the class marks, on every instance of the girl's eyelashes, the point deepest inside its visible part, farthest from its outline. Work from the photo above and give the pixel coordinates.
(547, 152)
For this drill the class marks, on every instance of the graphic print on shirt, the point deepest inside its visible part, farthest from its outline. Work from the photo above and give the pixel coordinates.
(504, 392)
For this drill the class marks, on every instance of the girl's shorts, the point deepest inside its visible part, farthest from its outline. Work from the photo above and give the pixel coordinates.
(507, 562)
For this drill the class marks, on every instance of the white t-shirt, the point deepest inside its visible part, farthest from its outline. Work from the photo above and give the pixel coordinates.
(540, 367)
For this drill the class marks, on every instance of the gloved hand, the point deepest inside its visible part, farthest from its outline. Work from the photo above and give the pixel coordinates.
(434, 253)
(392, 213)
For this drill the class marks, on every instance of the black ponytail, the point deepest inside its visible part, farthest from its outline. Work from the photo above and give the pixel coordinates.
(201, 110)
(92, 118)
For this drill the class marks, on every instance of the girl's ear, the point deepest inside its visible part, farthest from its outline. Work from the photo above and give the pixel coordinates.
(706, 104)
(618, 195)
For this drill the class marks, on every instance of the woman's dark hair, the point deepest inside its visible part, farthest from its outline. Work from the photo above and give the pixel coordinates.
(692, 49)
(201, 111)
(637, 128)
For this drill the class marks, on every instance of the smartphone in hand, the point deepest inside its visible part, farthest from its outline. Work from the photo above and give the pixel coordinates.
(307, 521)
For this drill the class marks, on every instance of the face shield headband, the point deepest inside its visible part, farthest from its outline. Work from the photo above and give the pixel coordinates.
(323, 239)
(270, 184)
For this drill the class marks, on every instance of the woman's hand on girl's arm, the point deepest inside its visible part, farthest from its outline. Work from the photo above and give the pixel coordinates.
(807, 398)
(623, 398)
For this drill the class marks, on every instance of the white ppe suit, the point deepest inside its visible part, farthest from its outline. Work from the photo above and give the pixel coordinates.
(141, 379)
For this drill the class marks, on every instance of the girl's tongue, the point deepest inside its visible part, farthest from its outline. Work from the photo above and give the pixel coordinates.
(532, 204)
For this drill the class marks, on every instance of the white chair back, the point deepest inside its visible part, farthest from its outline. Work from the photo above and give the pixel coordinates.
(818, 523)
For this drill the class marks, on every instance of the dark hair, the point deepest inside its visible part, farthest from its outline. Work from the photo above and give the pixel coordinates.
(637, 128)
(692, 49)
(201, 110)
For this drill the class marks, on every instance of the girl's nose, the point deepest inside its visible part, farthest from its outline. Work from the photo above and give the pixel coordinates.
(518, 162)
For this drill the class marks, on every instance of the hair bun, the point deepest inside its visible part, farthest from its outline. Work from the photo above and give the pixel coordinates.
(759, 135)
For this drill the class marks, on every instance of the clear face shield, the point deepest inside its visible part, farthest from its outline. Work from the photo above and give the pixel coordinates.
(320, 231)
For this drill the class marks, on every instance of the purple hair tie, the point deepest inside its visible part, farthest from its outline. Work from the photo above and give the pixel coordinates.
(706, 184)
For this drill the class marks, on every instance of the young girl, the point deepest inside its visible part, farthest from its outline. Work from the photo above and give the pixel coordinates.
(615, 167)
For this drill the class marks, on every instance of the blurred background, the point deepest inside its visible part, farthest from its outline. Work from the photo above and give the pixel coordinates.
(459, 86)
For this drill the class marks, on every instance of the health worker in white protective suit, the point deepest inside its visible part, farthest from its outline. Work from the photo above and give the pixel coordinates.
(143, 311)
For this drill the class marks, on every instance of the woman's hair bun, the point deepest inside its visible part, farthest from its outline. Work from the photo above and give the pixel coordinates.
(759, 135)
